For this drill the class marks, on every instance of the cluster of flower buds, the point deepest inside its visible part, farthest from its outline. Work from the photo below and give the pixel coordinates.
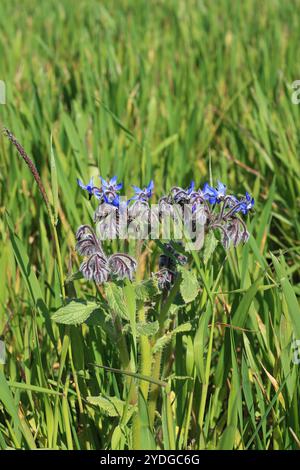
(168, 262)
(111, 207)
(211, 208)
(97, 266)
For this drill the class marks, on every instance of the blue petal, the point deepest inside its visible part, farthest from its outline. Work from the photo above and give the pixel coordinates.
(191, 186)
(221, 188)
(113, 180)
(80, 183)
(137, 189)
(150, 186)
(104, 183)
(209, 191)
(98, 193)
(115, 202)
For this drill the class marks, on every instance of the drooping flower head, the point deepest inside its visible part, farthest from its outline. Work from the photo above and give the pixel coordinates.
(234, 233)
(122, 266)
(97, 266)
(165, 278)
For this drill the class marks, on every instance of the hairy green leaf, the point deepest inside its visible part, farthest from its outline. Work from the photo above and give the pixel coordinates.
(147, 329)
(75, 312)
(189, 285)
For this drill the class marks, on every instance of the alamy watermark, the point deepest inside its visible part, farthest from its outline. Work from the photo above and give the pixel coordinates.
(2, 352)
(142, 222)
(2, 92)
(296, 351)
(296, 94)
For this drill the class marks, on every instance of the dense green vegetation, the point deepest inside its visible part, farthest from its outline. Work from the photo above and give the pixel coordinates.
(171, 90)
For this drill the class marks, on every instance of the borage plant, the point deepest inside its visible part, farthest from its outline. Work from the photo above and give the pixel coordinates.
(142, 291)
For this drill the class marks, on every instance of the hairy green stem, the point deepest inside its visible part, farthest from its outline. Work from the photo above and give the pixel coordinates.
(125, 361)
(145, 369)
(164, 310)
(154, 391)
(207, 374)
(146, 358)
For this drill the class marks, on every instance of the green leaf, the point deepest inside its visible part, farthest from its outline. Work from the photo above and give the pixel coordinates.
(72, 133)
(189, 285)
(75, 312)
(11, 407)
(7, 399)
(227, 438)
(147, 329)
(110, 406)
(147, 290)
(116, 300)
(118, 122)
(288, 292)
(29, 277)
(33, 388)
(184, 328)
(130, 298)
(133, 374)
(240, 315)
(164, 340)
(146, 436)
(164, 144)
(200, 342)
(210, 244)
(74, 277)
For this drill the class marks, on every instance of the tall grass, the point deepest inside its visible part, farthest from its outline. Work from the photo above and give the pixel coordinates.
(169, 90)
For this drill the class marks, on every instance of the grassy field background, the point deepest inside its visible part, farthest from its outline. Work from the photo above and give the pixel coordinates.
(167, 90)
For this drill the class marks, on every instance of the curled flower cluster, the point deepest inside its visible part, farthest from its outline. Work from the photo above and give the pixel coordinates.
(214, 209)
(168, 262)
(97, 266)
(210, 207)
(111, 206)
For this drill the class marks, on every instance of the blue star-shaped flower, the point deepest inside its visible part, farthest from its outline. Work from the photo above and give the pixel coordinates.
(143, 194)
(214, 195)
(87, 187)
(246, 204)
(111, 185)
